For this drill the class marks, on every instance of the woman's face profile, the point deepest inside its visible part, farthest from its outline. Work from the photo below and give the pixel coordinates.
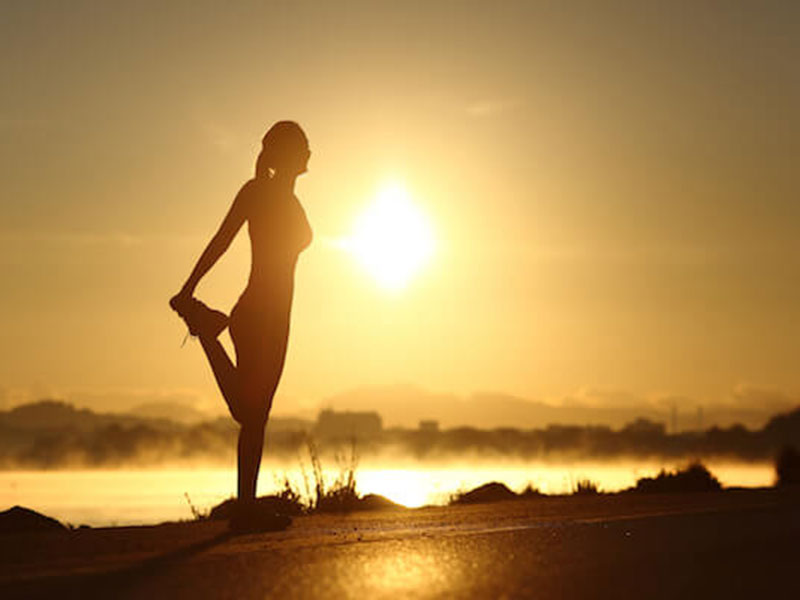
(296, 159)
(305, 155)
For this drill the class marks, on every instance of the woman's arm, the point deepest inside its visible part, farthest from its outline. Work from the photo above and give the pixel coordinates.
(219, 243)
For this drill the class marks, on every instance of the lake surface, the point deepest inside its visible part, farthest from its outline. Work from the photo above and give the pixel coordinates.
(148, 496)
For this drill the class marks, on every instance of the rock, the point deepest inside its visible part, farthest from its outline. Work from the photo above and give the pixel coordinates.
(20, 520)
(274, 504)
(489, 492)
(377, 502)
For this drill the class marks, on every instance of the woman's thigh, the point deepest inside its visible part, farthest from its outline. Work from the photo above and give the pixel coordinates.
(260, 355)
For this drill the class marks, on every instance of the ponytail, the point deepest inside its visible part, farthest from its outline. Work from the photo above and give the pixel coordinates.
(263, 165)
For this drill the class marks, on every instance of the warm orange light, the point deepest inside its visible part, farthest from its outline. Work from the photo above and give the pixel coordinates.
(392, 238)
(408, 488)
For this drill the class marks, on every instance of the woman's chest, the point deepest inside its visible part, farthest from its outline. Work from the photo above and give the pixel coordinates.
(279, 225)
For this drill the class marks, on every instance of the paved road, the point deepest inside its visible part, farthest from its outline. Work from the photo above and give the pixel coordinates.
(706, 546)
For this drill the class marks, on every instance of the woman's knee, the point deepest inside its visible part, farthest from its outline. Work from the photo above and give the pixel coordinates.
(253, 419)
(253, 414)
(254, 407)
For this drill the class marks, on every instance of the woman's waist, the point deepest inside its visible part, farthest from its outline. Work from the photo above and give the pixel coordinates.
(274, 262)
(271, 278)
(267, 293)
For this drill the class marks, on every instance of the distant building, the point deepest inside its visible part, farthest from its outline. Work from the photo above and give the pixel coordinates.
(645, 427)
(429, 426)
(289, 424)
(359, 425)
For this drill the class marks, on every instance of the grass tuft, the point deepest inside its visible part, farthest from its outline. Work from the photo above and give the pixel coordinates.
(585, 487)
(197, 514)
(341, 496)
(787, 467)
(695, 477)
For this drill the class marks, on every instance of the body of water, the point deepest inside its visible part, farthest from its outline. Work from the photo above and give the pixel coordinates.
(148, 496)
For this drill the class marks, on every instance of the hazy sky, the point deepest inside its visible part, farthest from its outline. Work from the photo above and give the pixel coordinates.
(612, 187)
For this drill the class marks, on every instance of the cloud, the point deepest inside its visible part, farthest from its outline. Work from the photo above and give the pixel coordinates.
(218, 136)
(589, 397)
(765, 398)
(23, 124)
(677, 254)
(69, 238)
(95, 239)
(670, 401)
(491, 107)
(213, 131)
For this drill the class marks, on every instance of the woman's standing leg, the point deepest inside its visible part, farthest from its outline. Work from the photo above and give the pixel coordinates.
(250, 449)
(259, 359)
(256, 404)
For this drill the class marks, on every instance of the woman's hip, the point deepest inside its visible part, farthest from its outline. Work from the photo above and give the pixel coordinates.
(255, 326)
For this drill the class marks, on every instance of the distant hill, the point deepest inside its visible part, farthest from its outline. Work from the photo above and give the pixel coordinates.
(407, 405)
(171, 411)
(55, 415)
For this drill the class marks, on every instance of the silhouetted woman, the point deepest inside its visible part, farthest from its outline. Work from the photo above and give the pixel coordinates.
(259, 322)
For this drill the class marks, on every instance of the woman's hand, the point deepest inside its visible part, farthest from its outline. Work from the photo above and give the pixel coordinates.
(180, 300)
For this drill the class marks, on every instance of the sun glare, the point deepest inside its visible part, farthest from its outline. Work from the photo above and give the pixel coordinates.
(409, 488)
(392, 238)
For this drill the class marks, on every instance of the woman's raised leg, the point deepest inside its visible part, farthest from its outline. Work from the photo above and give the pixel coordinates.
(225, 373)
(207, 324)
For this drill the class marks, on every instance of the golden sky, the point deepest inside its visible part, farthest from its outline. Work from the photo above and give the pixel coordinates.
(612, 192)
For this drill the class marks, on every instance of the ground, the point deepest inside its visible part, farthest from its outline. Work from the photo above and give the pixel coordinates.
(733, 544)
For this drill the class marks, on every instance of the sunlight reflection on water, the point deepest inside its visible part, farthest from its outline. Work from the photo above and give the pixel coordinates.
(126, 497)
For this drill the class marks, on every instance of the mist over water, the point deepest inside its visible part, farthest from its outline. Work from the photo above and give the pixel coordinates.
(98, 469)
(149, 496)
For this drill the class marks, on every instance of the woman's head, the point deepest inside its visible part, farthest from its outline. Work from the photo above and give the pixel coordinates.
(283, 149)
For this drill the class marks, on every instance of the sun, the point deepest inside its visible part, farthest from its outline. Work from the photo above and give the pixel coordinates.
(392, 238)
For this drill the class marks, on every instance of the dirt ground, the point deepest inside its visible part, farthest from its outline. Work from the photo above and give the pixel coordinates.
(736, 543)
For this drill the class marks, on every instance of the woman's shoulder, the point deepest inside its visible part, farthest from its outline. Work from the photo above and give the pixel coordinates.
(252, 190)
(252, 187)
